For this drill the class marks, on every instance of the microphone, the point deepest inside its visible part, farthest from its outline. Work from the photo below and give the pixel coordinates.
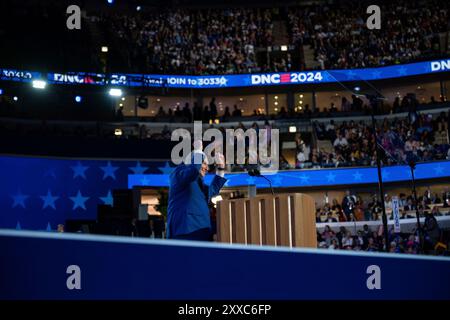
(255, 172)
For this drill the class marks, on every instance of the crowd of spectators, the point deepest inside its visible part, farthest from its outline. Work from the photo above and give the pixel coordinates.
(352, 208)
(225, 41)
(374, 241)
(341, 39)
(188, 41)
(348, 107)
(208, 113)
(401, 140)
(220, 40)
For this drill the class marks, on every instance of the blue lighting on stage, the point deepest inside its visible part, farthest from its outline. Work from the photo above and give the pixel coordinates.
(313, 178)
(39, 192)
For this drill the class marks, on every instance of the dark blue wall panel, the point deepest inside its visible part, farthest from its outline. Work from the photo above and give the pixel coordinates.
(34, 266)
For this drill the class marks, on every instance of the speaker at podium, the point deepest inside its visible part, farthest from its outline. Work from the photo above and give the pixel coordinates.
(277, 220)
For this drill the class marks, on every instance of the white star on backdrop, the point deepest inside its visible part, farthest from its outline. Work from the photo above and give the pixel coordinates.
(79, 170)
(108, 199)
(331, 177)
(19, 199)
(138, 169)
(167, 169)
(376, 74)
(402, 71)
(385, 175)
(438, 170)
(79, 201)
(304, 178)
(49, 200)
(357, 176)
(351, 74)
(144, 181)
(109, 171)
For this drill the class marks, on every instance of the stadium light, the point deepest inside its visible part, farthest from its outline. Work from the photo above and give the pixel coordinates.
(114, 92)
(39, 84)
(118, 132)
(78, 99)
(138, 8)
(15, 98)
(292, 129)
(357, 89)
(104, 49)
(284, 48)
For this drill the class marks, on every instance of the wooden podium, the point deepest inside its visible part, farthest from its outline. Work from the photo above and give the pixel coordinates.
(280, 220)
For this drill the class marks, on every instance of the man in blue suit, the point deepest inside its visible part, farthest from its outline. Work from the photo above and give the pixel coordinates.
(188, 212)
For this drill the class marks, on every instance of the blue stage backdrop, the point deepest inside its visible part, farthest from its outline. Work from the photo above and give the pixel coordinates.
(316, 178)
(39, 193)
(43, 265)
(230, 81)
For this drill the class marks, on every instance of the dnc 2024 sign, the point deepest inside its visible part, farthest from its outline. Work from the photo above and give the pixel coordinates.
(231, 81)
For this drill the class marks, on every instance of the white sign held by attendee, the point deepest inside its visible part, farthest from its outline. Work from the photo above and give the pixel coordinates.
(396, 214)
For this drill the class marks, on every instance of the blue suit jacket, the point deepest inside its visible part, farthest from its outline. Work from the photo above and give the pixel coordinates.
(188, 204)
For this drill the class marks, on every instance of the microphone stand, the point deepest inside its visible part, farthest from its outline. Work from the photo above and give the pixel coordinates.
(412, 165)
(254, 172)
(374, 103)
(270, 183)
